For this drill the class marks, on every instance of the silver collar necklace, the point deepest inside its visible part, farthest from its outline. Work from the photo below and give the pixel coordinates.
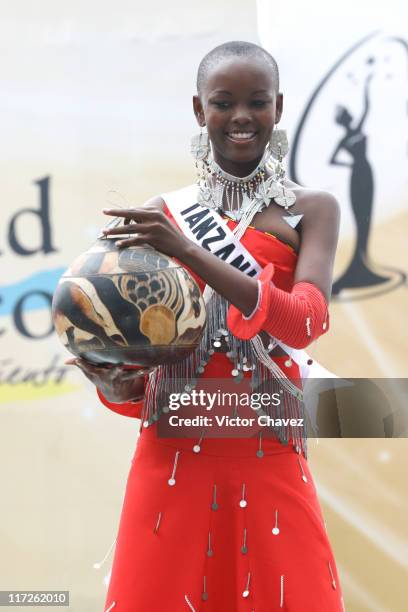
(244, 196)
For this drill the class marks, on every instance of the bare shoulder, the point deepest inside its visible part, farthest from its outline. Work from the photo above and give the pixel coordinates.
(319, 199)
(155, 202)
(315, 203)
(319, 235)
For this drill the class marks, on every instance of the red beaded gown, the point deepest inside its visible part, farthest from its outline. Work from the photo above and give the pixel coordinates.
(228, 528)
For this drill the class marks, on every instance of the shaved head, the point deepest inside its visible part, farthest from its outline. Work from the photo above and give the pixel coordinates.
(232, 49)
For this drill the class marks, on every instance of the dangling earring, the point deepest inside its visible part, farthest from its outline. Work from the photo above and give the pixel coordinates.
(278, 144)
(200, 146)
(201, 152)
(279, 147)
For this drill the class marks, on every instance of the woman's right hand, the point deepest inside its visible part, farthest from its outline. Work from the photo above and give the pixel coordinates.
(115, 382)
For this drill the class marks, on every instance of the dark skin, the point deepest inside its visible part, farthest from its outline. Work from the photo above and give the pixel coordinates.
(239, 97)
(115, 382)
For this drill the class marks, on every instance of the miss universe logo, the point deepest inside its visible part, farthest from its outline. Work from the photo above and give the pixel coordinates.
(351, 139)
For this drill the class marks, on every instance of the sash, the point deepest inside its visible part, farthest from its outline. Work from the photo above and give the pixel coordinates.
(207, 228)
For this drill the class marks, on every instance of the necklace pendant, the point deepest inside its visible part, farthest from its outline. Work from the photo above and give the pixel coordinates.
(246, 201)
(262, 194)
(286, 199)
(204, 197)
(267, 191)
(292, 220)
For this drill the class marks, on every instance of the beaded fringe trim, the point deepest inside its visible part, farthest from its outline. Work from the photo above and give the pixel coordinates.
(251, 355)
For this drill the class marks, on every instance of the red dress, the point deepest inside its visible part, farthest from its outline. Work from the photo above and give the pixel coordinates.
(235, 530)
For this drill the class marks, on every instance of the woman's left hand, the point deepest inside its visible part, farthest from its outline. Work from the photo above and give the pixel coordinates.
(148, 225)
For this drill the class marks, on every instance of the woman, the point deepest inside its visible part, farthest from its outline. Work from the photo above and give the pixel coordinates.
(230, 525)
(354, 142)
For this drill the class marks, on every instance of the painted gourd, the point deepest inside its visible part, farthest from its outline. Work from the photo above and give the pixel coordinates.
(130, 306)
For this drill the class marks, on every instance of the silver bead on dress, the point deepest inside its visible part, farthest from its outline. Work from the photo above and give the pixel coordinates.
(190, 605)
(259, 452)
(281, 591)
(245, 593)
(156, 528)
(214, 505)
(99, 564)
(332, 576)
(304, 477)
(276, 529)
(197, 447)
(204, 594)
(244, 548)
(243, 502)
(172, 481)
(210, 551)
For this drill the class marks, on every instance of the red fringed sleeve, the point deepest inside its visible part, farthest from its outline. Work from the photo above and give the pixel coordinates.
(296, 318)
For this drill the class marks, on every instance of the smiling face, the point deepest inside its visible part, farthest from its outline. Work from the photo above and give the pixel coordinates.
(239, 105)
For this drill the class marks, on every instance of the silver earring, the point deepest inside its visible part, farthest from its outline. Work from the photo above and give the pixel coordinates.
(279, 147)
(200, 146)
(278, 144)
(201, 152)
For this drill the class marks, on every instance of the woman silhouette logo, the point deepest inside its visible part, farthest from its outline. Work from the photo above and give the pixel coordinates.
(359, 273)
(354, 141)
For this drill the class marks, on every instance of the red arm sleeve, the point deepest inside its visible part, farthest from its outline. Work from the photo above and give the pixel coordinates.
(296, 318)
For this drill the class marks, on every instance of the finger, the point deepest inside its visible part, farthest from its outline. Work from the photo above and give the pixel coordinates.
(72, 361)
(132, 228)
(131, 213)
(138, 241)
(90, 368)
(90, 375)
(122, 229)
(77, 361)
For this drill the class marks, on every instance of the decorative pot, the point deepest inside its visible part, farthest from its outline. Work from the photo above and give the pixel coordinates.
(129, 306)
